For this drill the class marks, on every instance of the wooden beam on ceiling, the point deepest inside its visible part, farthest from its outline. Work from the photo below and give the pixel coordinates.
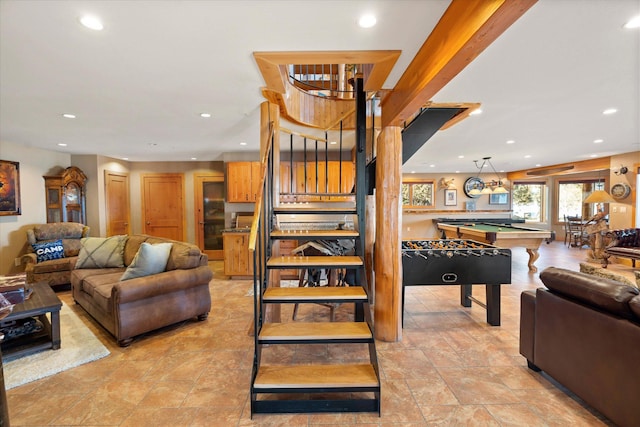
(591, 165)
(466, 28)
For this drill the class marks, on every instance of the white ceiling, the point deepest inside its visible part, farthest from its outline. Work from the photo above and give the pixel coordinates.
(138, 86)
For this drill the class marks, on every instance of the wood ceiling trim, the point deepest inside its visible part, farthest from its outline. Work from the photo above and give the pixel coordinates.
(591, 165)
(466, 28)
(271, 64)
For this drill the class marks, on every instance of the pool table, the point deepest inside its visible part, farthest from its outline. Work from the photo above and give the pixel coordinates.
(501, 235)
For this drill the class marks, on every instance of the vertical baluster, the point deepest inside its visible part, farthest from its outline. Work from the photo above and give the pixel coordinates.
(316, 154)
(326, 162)
(340, 157)
(305, 163)
(291, 163)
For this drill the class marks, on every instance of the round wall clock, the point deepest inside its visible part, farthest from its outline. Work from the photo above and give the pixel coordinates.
(620, 191)
(472, 183)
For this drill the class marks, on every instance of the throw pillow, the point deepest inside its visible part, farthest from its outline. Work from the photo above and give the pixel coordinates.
(150, 259)
(101, 252)
(49, 250)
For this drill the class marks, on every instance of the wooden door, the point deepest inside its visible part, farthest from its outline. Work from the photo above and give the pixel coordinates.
(163, 205)
(209, 211)
(117, 200)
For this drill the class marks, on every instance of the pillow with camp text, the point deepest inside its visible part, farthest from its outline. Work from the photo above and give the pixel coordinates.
(49, 250)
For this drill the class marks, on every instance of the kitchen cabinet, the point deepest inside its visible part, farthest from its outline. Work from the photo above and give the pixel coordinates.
(238, 261)
(243, 179)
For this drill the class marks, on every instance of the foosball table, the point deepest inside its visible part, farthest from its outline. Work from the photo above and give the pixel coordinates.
(458, 262)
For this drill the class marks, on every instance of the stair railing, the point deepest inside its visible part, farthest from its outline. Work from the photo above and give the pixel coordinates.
(330, 80)
(259, 239)
(314, 163)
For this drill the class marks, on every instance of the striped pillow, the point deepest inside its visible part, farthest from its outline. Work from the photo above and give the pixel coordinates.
(101, 252)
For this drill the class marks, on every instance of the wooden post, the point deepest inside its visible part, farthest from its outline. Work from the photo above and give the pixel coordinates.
(388, 262)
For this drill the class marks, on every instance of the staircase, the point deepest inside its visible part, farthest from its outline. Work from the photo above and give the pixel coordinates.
(322, 381)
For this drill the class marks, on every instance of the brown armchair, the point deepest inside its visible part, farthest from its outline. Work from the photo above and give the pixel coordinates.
(53, 271)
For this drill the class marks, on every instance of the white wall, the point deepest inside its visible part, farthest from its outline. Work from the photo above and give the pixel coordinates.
(34, 164)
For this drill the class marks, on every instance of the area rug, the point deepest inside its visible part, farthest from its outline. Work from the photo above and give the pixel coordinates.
(611, 273)
(78, 346)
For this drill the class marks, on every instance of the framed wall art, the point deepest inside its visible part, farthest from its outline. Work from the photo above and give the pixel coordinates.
(9, 188)
(450, 197)
(498, 199)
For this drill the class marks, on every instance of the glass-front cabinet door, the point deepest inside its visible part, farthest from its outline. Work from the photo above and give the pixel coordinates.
(211, 217)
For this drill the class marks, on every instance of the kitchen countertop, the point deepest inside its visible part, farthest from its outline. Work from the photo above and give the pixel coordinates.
(236, 230)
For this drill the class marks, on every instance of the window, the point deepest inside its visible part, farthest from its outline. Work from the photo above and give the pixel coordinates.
(417, 194)
(570, 197)
(529, 200)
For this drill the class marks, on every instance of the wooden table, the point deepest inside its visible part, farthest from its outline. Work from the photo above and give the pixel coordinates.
(501, 235)
(43, 301)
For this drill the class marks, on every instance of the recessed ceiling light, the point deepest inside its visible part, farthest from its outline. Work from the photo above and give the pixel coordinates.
(125, 158)
(633, 22)
(511, 141)
(205, 115)
(609, 111)
(367, 21)
(413, 171)
(527, 156)
(92, 22)
(476, 112)
(194, 158)
(457, 171)
(538, 165)
(62, 144)
(243, 143)
(598, 141)
(69, 116)
(593, 155)
(432, 166)
(461, 157)
(332, 143)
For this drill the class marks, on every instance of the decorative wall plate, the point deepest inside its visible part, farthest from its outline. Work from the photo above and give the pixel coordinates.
(620, 191)
(472, 183)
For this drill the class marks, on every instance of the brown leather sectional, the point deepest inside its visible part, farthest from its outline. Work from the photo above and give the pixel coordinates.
(133, 307)
(625, 243)
(584, 332)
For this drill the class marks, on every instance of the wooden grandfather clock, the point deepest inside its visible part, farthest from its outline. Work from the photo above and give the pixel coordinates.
(65, 196)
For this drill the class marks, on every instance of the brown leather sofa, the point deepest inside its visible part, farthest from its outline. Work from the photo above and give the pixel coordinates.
(625, 243)
(143, 304)
(53, 271)
(584, 331)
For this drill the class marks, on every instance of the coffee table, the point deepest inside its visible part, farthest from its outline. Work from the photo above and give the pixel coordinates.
(43, 301)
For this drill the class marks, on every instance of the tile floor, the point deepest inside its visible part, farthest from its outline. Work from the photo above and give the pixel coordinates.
(450, 368)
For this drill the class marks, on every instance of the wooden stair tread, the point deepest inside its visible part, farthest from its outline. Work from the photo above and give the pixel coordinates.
(314, 210)
(327, 261)
(315, 331)
(313, 234)
(316, 376)
(325, 293)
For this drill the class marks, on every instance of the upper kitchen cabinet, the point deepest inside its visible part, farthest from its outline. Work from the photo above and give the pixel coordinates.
(243, 179)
